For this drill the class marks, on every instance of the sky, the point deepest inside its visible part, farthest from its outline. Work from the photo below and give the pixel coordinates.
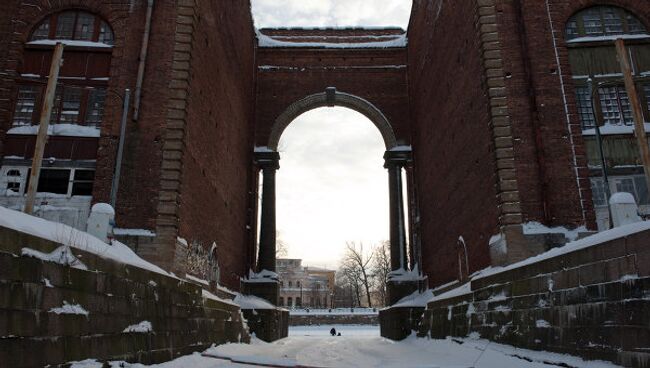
(331, 186)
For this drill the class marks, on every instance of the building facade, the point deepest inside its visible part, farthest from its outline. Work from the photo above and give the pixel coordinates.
(304, 286)
(483, 104)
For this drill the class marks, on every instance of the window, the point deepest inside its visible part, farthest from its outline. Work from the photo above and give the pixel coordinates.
(14, 179)
(633, 184)
(599, 21)
(298, 302)
(585, 110)
(289, 302)
(72, 105)
(281, 301)
(290, 284)
(74, 25)
(82, 183)
(614, 105)
(54, 181)
(297, 284)
(69, 182)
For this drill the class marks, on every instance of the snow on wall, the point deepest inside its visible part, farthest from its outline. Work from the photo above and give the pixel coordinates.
(268, 41)
(68, 130)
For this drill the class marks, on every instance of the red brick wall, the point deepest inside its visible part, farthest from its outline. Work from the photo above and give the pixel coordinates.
(219, 137)
(544, 157)
(310, 71)
(137, 199)
(454, 154)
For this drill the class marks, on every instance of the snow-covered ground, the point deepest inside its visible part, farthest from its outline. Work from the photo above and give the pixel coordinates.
(361, 346)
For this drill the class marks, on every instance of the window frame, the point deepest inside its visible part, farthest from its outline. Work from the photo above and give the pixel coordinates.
(25, 172)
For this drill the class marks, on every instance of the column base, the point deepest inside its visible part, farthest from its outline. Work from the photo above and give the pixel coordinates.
(403, 288)
(267, 290)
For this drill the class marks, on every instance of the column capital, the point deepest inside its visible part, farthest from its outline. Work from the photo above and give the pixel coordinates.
(399, 156)
(267, 159)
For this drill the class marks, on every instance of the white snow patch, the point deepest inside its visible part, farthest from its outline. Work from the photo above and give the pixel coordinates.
(541, 323)
(262, 276)
(401, 275)
(47, 282)
(61, 255)
(208, 295)
(142, 327)
(461, 290)
(69, 130)
(68, 308)
(622, 198)
(103, 208)
(587, 242)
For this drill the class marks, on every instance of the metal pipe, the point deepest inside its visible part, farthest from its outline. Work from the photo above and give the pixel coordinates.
(143, 60)
(120, 147)
(599, 140)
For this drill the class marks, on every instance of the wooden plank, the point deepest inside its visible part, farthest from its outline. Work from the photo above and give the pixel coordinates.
(635, 104)
(41, 138)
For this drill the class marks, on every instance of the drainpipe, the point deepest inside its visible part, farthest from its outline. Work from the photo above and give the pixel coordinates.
(143, 60)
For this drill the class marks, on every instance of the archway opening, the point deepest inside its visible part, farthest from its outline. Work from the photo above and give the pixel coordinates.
(331, 192)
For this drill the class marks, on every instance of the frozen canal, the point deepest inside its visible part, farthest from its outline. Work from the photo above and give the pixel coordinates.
(361, 346)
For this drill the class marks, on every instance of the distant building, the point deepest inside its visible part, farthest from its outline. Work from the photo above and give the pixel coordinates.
(307, 287)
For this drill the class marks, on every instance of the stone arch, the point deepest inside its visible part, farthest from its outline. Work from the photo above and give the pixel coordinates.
(331, 97)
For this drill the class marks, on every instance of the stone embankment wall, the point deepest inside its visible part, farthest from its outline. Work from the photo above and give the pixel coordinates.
(333, 319)
(115, 296)
(593, 302)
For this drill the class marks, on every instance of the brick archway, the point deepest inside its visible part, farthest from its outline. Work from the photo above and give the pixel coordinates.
(332, 98)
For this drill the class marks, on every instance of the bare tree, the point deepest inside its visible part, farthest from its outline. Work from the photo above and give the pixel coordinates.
(281, 248)
(356, 266)
(381, 269)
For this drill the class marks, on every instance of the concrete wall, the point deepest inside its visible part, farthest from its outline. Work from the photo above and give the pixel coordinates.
(592, 302)
(115, 296)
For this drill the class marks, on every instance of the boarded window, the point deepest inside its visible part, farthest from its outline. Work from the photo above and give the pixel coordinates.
(54, 181)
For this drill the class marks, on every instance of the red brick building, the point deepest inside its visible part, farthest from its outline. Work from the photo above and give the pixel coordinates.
(484, 108)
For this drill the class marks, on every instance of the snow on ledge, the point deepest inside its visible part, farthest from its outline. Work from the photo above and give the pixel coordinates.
(533, 228)
(401, 275)
(133, 232)
(415, 300)
(268, 41)
(61, 255)
(68, 130)
(608, 38)
(72, 43)
(69, 236)
(618, 129)
(602, 237)
(252, 302)
(262, 277)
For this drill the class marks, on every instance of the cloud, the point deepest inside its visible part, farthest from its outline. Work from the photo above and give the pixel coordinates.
(304, 13)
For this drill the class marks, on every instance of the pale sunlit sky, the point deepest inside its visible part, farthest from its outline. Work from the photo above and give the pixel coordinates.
(331, 186)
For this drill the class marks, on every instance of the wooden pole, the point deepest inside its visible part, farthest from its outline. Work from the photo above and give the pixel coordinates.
(41, 138)
(635, 104)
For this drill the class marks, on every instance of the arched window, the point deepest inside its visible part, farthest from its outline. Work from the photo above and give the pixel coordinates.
(603, 21)
(74, 25)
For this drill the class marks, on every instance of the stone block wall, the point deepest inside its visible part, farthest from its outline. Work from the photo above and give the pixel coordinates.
(593, 302)
(268, 324)
(115, 297)
(333, 319)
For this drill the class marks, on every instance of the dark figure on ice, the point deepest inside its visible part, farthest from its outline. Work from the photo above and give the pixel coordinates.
(333, 331)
